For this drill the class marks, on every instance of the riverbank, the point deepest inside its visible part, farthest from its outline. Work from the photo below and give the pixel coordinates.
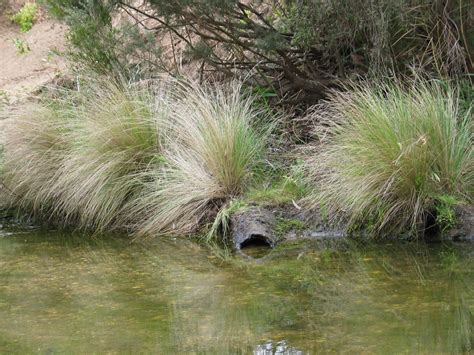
(172, 157)
(273, 225)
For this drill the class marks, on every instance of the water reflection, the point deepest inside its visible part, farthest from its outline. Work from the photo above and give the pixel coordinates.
(280, 348)
(70, 294)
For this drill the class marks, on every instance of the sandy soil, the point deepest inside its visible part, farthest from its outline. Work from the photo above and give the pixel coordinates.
(22, 74)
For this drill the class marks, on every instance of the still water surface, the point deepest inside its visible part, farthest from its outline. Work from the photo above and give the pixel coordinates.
(63, 293)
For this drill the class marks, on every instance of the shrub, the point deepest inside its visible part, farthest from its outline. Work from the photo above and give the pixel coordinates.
(296, 49)
(25, 16)
(393, 152)
(95, 44)
(214, 152)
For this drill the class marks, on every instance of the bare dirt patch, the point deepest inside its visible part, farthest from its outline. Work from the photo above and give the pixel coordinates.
(21, 73)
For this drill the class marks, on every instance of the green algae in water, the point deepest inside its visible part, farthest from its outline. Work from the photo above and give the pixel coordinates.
(73, 294)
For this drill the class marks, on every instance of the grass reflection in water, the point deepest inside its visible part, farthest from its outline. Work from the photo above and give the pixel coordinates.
(66, 293)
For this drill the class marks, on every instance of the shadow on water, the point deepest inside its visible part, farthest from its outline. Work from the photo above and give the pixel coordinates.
(73, 294)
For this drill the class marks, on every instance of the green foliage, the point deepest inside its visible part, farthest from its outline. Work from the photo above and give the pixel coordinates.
(95, 44)
(445, 217)
(93, 41)
(280, 193)
(284, 191)
(277, 185)
(21, 46)
(295, 49)
(25, 16)
(445, 212)
(285, 225)
(220, 225)
(393, 150)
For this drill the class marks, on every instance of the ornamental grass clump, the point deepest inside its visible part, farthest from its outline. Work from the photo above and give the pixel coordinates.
(35, 146)
(78, 158)
(117, 131)
(216, 143)
(155, 157)
(390, 153)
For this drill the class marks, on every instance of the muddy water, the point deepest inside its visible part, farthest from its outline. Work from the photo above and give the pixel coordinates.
(64, 293)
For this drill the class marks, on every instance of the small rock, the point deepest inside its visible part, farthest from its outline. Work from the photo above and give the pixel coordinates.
(464, 229)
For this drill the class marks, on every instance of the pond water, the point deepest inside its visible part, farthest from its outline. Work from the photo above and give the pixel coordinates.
(65, 293)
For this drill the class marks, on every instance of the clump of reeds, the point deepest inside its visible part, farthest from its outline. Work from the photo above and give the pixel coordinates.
(76, 156)
(391, 152)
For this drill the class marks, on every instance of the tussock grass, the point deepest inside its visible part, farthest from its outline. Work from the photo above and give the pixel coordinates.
(390, 152)
(35, 146)
(214, 150)
(154, 157)
(116, 132)
(77, 158)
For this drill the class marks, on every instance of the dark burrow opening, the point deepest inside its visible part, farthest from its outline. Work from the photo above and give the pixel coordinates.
(432, 231)
(256, 241)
